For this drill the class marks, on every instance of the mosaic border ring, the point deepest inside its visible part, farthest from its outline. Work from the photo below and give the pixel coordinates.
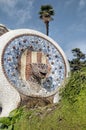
(15, 44)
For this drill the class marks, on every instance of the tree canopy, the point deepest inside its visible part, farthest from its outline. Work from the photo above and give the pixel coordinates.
(46, 12)
(78, 61)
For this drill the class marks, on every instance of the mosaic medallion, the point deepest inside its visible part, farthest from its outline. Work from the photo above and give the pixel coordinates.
(33, 64)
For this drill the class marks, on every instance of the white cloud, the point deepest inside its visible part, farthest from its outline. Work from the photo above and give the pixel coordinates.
(78, 27)
(23, 16)
(8, 3)
(82, 4)
(68, 3)
(21, 13)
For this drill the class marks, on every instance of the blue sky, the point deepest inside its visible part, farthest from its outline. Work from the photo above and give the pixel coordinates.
(68, 28)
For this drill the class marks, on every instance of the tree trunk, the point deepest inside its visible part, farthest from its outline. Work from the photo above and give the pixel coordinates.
(47, 27)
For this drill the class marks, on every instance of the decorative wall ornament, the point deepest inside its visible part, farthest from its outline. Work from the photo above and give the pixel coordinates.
(32, 64)
(3, 29)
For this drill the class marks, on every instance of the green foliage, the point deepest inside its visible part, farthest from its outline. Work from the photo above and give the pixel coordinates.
(79, 60)
(8, 122)
(46, 10)
(78, 54)
(76, 84)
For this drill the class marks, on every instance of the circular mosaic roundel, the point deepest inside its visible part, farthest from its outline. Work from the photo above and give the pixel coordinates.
(33, 63)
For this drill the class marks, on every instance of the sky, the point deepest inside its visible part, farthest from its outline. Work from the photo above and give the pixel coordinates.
(68, 28)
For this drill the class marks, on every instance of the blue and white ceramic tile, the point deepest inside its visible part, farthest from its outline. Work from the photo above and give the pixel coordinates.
(16, 47)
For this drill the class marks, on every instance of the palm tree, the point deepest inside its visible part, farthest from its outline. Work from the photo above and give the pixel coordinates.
(46, 12)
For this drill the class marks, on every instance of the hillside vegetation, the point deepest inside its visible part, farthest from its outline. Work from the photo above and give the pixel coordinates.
(69, 114)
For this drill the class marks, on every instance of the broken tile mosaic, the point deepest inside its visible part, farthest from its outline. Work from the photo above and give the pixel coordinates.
(13, 52)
